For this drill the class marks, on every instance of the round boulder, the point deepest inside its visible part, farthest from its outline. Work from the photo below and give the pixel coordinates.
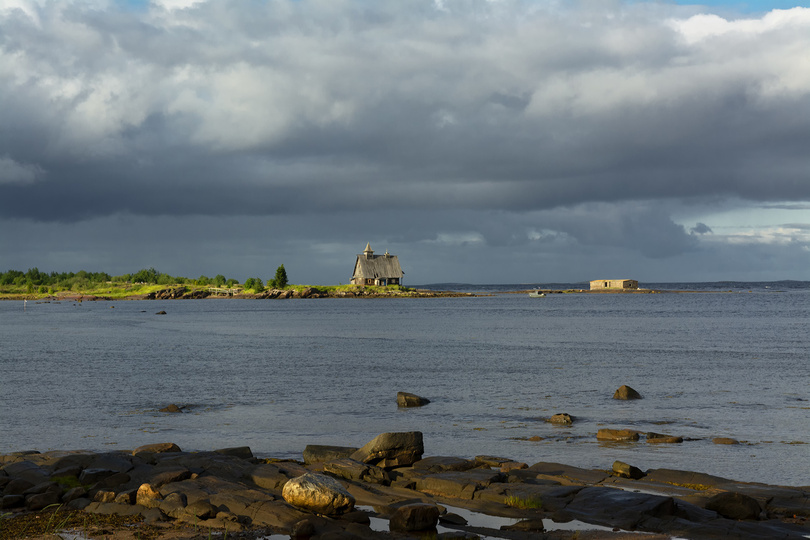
(318, 493)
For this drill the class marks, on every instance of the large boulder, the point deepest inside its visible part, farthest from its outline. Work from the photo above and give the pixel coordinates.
(389, 450)
(625, 392)
(318, 493)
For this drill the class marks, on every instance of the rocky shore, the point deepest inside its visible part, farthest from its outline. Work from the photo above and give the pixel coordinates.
(385, 489)
(185, 293)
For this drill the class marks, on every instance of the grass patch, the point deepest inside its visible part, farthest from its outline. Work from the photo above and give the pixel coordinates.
(696, 487)
(523, 504)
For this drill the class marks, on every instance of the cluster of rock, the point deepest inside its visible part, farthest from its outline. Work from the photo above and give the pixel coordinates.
(337, 491)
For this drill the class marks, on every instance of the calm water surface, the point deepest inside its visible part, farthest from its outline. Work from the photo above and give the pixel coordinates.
(278, 375)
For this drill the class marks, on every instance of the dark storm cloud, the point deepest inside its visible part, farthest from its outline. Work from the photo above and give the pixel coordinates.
(476, 122)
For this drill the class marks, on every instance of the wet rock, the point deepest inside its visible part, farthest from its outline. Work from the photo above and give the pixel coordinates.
(561, 419)
(406, 399)
(725, 440)
(172, 408)
(318, 493)
(658, 438)
(627, 471)
(617, 435)
(414, 517)
(733, 505)
(625, 392)
(389, 450)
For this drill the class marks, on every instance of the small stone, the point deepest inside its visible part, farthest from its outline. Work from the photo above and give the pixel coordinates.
(405, 399)
(627, 471)
(617, 435)
(725, 440)
(625, 392)
(171, 409)
(414, 517)
(563, 419)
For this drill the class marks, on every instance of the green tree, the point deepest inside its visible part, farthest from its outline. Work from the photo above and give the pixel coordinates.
(146, 276)
(254, 283)
(280, 281)
(219, 280)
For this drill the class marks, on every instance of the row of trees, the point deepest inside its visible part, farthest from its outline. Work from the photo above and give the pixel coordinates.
(35, 280)
(278, 282)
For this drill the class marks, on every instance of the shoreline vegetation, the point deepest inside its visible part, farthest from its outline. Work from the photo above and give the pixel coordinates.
(385, 489)
(149, 284)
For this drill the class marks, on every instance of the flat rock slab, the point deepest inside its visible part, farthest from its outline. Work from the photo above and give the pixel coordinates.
(618, 508)
(565, 474)
(458, 485)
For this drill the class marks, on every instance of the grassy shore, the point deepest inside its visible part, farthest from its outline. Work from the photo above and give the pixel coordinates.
(137, 291)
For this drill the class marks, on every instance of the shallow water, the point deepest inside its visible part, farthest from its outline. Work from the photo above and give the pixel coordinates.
(278, 375)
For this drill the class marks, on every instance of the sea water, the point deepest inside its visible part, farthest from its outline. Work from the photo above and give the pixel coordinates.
(277, 375)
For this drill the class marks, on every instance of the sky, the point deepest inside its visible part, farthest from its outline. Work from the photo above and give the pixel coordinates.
(500, 141)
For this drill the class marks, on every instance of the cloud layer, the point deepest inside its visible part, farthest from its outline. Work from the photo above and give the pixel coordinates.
(465, 127)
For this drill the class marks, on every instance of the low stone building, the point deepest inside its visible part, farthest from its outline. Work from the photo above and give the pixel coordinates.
(370, 269)
(614, 284)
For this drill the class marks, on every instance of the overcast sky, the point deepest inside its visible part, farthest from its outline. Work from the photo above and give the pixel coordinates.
(480, 141)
